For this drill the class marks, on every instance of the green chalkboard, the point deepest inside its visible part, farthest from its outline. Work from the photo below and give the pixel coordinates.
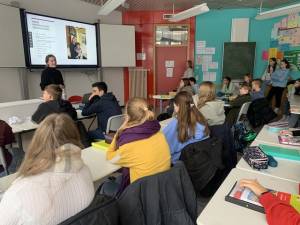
(294, 59)
(238, 59)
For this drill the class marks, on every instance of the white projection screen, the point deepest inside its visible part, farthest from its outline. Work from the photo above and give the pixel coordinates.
(117, 45)
(11, 44)
(73, 43)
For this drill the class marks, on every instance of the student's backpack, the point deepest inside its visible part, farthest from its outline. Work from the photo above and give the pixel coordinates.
(260, 113)
(242, 136)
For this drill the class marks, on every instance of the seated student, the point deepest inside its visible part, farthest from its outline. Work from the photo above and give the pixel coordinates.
(211, 108)
(194, 85)
(227, 88)
(248, 79)
(293, 119)
(277, 211)
(53, 182)
(139, 145)
(53, 103)
(187, 127)
(257, 91)
(237, 103)
(185, 85)
(104, 105)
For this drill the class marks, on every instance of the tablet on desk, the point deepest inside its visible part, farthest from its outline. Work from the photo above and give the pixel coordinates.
(244, 197)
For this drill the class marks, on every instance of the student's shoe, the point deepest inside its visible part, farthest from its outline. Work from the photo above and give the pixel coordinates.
(276, 110)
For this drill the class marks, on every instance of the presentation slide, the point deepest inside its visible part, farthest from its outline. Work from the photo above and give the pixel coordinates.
(73, 43)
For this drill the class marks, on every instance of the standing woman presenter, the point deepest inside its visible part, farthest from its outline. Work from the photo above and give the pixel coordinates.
(50, 74)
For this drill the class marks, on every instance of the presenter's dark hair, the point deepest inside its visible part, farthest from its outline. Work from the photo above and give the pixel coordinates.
(48, 57)
(101, 86)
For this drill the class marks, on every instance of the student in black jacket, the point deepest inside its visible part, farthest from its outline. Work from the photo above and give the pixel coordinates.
(237, 103)
(53, 104)
(104, 105)
(51, 75)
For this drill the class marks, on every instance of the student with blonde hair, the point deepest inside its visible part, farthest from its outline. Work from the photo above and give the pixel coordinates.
(53, 182)
(139, 145)
(187, 127)
(211, 108)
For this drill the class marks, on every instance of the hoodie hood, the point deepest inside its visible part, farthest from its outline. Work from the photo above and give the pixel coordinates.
(216, 106)
(109, 97)
(214, 112)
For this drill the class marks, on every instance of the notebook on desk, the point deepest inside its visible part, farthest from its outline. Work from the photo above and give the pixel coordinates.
(101, 145)
(279, 152)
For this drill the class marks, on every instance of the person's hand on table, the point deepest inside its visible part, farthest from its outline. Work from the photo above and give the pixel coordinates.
(254, 186)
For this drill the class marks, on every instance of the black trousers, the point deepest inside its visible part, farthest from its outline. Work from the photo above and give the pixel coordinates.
(277, 91)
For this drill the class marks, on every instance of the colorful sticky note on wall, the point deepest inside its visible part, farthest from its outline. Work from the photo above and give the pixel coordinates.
(280, 55)
(265, 55)
(272, 52)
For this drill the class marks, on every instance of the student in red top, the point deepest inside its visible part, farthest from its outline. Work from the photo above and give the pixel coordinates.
(277, 211)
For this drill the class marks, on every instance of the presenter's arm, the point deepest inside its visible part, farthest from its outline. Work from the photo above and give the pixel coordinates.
(60, 78)
(44, 80)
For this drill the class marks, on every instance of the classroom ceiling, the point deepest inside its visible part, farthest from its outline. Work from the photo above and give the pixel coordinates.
(138, 5)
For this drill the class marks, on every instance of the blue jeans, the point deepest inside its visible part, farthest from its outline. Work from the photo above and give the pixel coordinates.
(96, 134)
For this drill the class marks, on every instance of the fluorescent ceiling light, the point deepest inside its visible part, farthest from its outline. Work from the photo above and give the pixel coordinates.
(278, 12)
(196, 10)
(109, 6)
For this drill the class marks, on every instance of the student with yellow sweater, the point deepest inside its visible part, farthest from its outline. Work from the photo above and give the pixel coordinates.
(139, 145)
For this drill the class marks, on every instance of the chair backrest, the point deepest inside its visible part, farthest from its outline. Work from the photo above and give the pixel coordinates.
(85, 98)
(243, 110)
(114, 123)
(75, 99)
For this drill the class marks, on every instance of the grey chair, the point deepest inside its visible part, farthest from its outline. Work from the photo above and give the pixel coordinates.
(114, 123)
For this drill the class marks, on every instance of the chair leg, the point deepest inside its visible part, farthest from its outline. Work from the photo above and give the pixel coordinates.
(2, 160)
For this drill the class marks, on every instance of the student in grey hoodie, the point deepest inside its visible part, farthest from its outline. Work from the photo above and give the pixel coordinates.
(211, 108)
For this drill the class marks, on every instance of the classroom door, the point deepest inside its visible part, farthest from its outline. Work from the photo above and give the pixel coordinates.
(163, 83)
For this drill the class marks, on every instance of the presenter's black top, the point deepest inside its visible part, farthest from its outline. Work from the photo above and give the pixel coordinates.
(51, 76)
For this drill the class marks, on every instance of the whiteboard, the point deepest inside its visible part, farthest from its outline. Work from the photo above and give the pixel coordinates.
(117, 45)
(11, 40)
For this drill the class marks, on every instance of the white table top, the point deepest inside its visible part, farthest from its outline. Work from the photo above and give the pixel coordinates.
(267, 137)
(286, 169)
(220, 212)
(21, 102)
(28, 125)
(95, 159)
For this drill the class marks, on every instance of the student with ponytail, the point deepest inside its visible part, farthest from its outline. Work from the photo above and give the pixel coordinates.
(188, 126)
(139, 145)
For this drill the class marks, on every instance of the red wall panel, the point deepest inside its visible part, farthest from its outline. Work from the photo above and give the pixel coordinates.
(144, 22)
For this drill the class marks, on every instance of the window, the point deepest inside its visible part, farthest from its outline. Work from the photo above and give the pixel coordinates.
(171, 35)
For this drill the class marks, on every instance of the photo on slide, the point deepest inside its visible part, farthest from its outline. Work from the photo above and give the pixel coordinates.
(76, 42)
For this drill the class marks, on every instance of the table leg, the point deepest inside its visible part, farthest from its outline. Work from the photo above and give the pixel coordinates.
(2, 160)
(19, 140)
(160, 105)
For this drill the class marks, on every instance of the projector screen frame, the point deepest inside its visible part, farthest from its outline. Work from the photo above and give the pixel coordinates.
(26, 44)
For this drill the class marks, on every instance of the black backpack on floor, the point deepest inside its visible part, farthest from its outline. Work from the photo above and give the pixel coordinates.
(260, 112)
